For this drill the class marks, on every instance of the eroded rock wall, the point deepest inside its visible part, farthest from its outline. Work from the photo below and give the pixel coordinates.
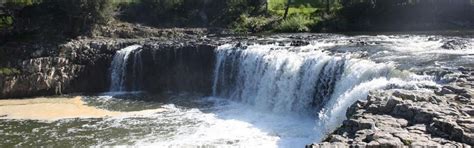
(185, 68)
(83, 66)
(76, 66)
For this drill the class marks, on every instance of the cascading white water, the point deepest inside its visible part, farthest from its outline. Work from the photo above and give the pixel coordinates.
(304, 80)
(277, 80)
(118, 68)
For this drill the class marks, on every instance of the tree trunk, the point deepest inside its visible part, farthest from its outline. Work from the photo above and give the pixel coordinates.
(286, 9)
(266, 6)
(328, 8)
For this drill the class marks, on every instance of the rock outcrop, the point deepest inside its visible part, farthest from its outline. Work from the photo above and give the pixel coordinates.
(397, 118)
(178, 67)
(82, 66)
(77, 66)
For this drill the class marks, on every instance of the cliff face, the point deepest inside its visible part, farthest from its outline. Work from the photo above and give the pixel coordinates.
(84, 66)
(182, 68)
(77, 66)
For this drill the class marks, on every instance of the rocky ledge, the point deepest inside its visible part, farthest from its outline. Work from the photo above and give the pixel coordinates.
(66, 68)
(434, 117)
(72, 66)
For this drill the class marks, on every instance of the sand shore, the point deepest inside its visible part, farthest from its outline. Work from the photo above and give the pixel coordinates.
(51, 109)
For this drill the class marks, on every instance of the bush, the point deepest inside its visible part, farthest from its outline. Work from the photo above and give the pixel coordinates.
(246, 24)
(68, 18)
(190, 13)
(295, 23)
(9, 71)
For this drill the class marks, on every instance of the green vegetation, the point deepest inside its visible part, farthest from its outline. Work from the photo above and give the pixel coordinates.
(295, 23)
(72, 18)
(6, 21)
(189, 13)
(304, 7)
(9, 71)
(56, 19)
(23, 2)
(303, 15)
(246, 24)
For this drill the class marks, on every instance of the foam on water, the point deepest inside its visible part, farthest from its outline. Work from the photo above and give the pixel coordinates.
(235, 124)
(225, 123)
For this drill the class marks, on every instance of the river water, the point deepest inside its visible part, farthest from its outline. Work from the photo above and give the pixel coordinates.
(271, 95)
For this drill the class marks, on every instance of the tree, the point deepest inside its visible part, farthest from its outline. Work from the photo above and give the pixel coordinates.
(328, 8)
(287, 8)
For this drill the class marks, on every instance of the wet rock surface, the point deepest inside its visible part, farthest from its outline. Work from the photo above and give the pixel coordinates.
(440, 116)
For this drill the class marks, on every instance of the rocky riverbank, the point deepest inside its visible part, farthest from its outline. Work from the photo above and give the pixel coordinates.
(439, 116)
(72, 66)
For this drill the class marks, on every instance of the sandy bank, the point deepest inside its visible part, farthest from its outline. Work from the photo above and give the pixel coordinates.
(51, 109)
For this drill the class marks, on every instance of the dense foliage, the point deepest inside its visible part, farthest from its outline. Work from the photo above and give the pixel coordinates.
(295, 23)
(71, 18)
(183, 13)
(8, 71)
(406, 14)
(59, 18)
(245, 24)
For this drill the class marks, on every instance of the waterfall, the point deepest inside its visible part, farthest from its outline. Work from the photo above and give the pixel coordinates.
(278, 80)
(305, 80)
(119, 68)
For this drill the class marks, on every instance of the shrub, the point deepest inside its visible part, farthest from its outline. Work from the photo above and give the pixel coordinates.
(294, 23)
(247, 24)
(9, 71)
(190, 13)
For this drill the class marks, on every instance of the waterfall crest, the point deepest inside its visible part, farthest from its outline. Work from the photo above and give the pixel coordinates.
(303, 81)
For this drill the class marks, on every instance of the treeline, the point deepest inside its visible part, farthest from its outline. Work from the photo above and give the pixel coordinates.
(72, 18)
(396, 15)
(189, 13)
(54, 19)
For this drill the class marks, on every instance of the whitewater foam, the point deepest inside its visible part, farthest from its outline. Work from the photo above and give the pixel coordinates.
(309, 82)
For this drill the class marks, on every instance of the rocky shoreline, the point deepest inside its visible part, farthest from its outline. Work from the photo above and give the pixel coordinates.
(437, 117)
